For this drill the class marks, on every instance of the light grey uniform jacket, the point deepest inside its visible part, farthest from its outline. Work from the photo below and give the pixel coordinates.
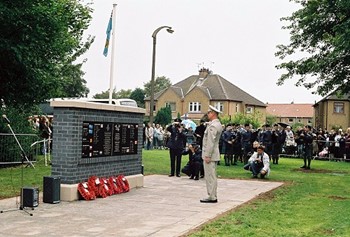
(211, 139)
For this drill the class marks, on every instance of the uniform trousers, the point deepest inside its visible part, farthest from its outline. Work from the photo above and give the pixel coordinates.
(211, 179)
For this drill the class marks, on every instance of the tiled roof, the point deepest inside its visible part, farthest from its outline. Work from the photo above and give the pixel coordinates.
(216, 88)
(291, 110)
(333, 96)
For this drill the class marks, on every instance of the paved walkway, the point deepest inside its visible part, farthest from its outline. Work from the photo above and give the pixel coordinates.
(164, 207)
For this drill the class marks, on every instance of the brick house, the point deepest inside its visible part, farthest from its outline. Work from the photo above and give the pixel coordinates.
(192, 96)
(333, 112)
(292, 113)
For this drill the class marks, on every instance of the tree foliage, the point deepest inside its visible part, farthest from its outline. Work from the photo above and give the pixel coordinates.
(163, 116)
(321, 31)
(39, 44)
(160, 83)
(139, 96)
(115, 95)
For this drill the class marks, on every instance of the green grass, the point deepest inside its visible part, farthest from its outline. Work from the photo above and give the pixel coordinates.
(11, 178)
(311, 203)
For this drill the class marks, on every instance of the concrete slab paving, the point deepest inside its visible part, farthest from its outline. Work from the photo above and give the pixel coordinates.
(164, 207)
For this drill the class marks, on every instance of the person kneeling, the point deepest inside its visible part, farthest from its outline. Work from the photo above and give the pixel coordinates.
(259, 163)
(195, 160)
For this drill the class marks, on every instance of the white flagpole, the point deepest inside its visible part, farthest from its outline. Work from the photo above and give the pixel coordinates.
(114, 20)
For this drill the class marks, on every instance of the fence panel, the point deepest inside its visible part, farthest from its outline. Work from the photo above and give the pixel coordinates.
(10, 152)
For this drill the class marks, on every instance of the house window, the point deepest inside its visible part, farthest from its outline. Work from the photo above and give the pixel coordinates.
(172, 106)
(219, 106)
(290, 120)
(249, 110)
(338, 108)
(195, 107)
(237, 107)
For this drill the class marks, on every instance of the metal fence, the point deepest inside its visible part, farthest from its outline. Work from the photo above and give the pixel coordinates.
(10, 153)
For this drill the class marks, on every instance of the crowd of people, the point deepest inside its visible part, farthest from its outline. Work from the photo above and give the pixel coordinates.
(239, 143)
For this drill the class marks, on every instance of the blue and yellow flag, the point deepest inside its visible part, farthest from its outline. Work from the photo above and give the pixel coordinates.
(108, 32)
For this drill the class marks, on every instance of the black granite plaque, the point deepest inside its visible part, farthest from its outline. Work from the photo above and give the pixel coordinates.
(109, 139)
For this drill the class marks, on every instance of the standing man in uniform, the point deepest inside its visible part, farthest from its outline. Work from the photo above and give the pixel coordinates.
(211, 153)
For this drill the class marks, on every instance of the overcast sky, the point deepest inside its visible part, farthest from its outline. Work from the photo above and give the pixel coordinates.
(234, 38)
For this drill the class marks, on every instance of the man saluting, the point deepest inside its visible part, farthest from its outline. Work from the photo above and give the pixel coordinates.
(211, 153)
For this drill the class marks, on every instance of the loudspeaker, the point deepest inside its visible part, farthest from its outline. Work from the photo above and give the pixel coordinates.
(52, 190)
(29, 197)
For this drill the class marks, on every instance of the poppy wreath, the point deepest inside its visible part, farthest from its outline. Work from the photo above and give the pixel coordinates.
(112, 182)
(123, 183)
(103, 189)
(84, 191)
(93, 183)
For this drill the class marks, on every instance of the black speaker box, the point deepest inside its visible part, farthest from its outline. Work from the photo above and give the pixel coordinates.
(52, 190)
(29, 197)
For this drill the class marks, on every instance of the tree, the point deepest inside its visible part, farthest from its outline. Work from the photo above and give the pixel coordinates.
(160, 83)
(139, 96)
(39, 44)
(320, 30)
(115, 95)
(163, 116)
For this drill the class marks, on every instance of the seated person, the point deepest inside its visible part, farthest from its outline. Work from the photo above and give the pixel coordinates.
(259, 163)
(195, 160)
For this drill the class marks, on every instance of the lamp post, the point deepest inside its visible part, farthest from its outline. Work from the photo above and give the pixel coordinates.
(154, 36)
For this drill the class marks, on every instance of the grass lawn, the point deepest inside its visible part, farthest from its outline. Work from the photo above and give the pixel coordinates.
(315, 202)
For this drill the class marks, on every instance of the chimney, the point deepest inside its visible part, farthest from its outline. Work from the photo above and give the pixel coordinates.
(203, 72)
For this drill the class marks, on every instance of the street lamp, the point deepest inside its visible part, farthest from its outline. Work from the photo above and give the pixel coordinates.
(154, 36)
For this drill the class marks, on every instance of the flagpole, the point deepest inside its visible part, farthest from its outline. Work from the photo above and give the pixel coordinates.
(114, 20)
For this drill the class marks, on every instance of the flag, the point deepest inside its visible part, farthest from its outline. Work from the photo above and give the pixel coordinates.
(108, 32)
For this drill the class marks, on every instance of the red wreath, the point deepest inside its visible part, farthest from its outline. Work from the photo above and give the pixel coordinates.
(84, 191)
(123, 183)
(112, 182)
(103, 189)
(93, 186)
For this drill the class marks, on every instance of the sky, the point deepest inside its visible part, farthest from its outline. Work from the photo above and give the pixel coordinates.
(236, 39)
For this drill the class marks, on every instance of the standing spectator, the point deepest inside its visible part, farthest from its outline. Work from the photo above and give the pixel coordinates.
(176, 145)
(211, 154)
(156, 132)
(149, 136)
(307, 152)
(190, 139)
(290, 142)
(44, 133)
(199, 132)
(347, 144)
(275, 144)
(161, 138)
(246, 142)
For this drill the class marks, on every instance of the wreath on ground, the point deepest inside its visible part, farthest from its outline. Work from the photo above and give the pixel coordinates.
(103, 187)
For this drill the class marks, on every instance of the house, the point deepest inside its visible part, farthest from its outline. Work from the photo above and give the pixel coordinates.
(292, 113)
(333, 112)
(192, 96)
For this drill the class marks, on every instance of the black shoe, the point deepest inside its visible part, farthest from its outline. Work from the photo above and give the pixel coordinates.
(178, 175)
(307, 168)
(255, 176)
(171, 175)
(234, 164)
(196, 178)
(206, 200)
(202, 176)
(191, 177)
(303, 167)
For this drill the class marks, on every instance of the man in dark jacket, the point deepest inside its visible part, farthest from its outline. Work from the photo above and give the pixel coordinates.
(176, 145)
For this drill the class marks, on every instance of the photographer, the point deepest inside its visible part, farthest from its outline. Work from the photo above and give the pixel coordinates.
(259, 163)
(195, 160)
(175, 144)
